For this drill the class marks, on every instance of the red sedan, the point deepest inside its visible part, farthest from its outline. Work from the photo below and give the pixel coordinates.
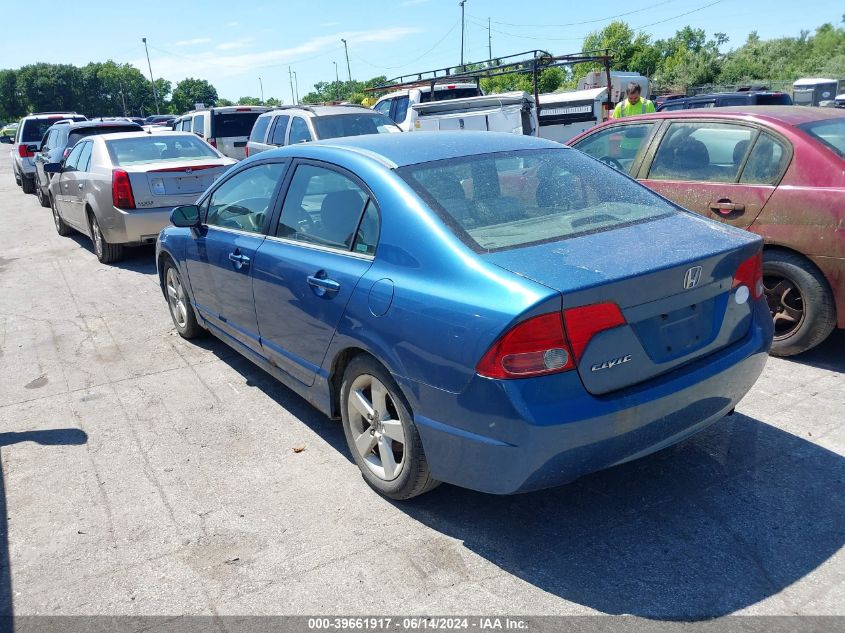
(778, 171)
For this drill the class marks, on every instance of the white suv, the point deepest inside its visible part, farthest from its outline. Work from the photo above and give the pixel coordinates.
(293, 124)
(28, 139)
(226, 128)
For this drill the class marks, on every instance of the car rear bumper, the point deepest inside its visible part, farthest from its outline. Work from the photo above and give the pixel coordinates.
(137, 226)
(523, 435)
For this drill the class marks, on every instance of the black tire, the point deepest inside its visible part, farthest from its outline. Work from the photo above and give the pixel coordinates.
(28, 184)
(17, 177)
(414, 478)
(186, 323)
(800, 301)
(61, 228)
(42, 197)
(107, 253)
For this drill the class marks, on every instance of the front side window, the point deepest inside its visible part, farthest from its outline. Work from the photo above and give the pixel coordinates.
(510, 199)
(243, 201)
(766, 162)
(280, 129)
(617, 146)
(299, 132)
(704, 152)
(324, 207)
(383, 107)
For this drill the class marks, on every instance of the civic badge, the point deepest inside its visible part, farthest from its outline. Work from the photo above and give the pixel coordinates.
(692, 277)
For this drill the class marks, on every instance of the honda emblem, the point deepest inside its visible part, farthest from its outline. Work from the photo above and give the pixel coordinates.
(692, 277)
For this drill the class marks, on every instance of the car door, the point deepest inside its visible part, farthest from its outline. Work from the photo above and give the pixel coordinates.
(64, 187)
(42, 157)
(620, 145)
(699, 164)
(307, 268)
(78, 180)
(220, 258)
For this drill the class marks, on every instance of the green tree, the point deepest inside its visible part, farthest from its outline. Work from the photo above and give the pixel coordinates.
(11, 105)
(191, 91)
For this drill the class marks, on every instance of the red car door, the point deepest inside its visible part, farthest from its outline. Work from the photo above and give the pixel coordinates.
(722, 170)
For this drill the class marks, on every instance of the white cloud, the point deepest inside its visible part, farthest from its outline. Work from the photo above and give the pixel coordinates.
(244, 42)
(193, 42)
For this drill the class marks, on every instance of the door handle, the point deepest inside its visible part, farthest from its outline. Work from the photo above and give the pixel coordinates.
(725, 207)
(322, 284)
(238, 260)
(79, 186)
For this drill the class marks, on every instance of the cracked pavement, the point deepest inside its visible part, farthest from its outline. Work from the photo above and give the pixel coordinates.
(145, 475)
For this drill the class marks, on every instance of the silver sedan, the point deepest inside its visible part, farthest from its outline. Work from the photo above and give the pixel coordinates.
(119, 189)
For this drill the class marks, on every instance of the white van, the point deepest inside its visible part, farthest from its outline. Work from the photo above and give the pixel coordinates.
(226, 128)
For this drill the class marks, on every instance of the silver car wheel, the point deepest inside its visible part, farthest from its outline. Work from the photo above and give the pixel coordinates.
(97, 236)
(378, 433)
(176, 298)
(56, 219)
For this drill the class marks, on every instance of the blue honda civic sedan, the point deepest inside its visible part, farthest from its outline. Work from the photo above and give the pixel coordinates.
(494, 311)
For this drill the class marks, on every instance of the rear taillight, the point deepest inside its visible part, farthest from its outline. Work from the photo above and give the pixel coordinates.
(66, 153)
(246, 151)
(213, 142)
(750, 274)
(121, 190)
(24, 151)
(584, 322)
(534, 347)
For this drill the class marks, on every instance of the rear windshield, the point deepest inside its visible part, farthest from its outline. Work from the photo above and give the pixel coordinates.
(510, 199)
(152, 149)
(830, 132)
(74, 136)
(353, 125)
(447, 95)
(35, 129)
(776, 99)
(233, 124)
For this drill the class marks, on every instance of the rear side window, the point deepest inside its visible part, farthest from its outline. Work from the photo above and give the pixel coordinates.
(152, 149)
(706, 152)
(233, 124)
(324, 207)
(510, 199)
(401, 109)
(299, 131)
(85, 156)
(766, 162)
(73, 158)
(774, 99)
(260, 129)
(198, 125)
(830, 132)
(725, 102)
(280, 129)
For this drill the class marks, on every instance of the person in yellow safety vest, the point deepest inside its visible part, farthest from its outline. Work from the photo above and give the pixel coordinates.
(633, 105)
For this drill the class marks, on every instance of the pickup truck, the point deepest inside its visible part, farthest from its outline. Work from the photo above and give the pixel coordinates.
(460, 107)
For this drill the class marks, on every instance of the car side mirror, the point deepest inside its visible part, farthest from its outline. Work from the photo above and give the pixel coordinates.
(186, 216)
(53, 168)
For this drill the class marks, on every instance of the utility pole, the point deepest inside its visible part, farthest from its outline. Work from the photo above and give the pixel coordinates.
(296, 84)
(261, 83)
(152, 81)
(462, 3)
(336, 83)
(348, 71)
(292, 93)
(489, 41)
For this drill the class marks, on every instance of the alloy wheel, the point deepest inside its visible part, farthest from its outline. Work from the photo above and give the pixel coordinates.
(98, 237)
(377, 431)
(56, 219)
(176, 298)
(785, 303)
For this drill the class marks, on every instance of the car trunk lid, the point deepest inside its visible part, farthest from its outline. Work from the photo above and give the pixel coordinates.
(172, 185)
(672, 279)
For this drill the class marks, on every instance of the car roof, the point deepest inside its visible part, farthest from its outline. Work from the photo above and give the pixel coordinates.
(320, 110)
(409, 148)
(121, 135)
(75, 125)
(788, 115)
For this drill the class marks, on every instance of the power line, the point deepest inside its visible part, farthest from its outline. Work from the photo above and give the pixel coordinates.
(413, 61)
(610, 17)
(575, 39)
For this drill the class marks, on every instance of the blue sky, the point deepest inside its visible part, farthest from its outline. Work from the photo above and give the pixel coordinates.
(233, 43)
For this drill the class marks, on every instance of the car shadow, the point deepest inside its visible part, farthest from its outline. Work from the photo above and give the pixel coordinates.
(47, 437)
(830, 354)
(139, 259)
(329, 430)
(710, 526)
